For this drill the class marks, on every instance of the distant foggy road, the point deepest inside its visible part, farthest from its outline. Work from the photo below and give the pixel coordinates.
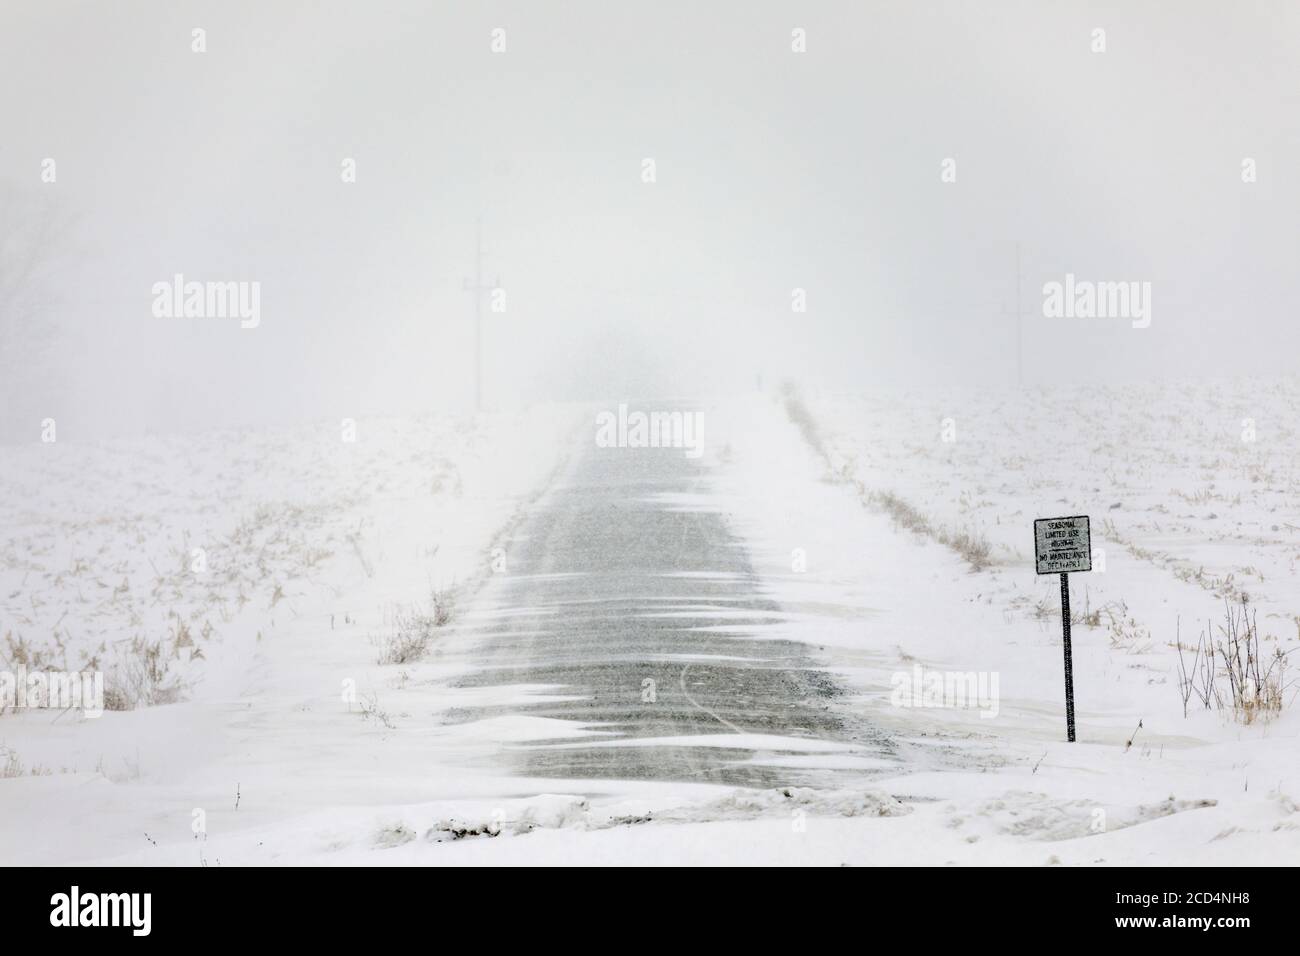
(623, 574)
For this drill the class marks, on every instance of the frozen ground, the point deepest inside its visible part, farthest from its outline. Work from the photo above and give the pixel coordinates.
(525, 734)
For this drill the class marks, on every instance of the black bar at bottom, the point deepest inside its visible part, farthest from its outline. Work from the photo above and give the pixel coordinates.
(230, 905)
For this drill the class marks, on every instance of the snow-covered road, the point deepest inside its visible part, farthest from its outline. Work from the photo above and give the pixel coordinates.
(629, 606)
(649, 658)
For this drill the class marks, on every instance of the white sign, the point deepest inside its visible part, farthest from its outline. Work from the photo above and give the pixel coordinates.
(1062, 544)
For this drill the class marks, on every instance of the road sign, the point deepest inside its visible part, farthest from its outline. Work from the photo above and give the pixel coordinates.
(1062, 545)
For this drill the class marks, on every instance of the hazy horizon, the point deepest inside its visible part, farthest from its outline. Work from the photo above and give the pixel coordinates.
(775, 170)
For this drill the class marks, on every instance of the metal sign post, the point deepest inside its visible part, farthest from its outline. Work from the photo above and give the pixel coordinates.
(1062, 545)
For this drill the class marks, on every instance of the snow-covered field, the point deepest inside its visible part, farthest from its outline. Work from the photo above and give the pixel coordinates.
(1186, 512)
(276, 736)
(228, 585)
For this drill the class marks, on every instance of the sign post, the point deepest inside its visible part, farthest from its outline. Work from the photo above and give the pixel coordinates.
(1062, 545)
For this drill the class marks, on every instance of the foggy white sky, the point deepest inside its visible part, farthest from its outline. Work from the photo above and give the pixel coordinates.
(775, 170)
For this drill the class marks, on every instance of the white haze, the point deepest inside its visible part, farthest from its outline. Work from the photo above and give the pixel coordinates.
(775, 170)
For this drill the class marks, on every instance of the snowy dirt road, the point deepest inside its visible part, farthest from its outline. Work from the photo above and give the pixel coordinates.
(630, 608)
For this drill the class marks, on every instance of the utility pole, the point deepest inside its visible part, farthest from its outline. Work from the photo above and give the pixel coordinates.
(479, 289)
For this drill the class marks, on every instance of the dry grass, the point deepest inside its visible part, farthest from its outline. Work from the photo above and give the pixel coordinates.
(370, 710)
(141, 677)
(443, 603)
(409, 640)
(11, 767)
(1224, 586)
(1123, 630)
(19, 652)
(799, 414)
(1233, 673)
(905, 514)
(972, 546)
(413, 629)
